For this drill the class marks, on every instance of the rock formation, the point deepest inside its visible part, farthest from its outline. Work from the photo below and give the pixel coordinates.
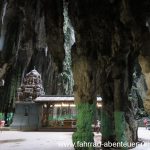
(145, 64)
(109, 34)
(31, 35)
(108, 40)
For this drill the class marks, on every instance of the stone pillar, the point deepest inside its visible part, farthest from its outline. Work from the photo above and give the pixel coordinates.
(47, 114)
(85, 99)
(119, 114)
(99, 38)
(145, 65)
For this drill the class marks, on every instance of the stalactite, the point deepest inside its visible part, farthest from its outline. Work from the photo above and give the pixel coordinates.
(3, 25)
(46, 50)
(2, 37)
(4, 11)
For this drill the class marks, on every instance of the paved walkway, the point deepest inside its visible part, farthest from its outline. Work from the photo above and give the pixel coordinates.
(144, 135)
(16, 140)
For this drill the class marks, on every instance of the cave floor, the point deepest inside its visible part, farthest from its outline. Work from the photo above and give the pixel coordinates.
(16, 140)
(144, 136)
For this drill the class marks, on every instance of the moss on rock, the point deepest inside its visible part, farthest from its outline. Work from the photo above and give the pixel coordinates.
(84, 134)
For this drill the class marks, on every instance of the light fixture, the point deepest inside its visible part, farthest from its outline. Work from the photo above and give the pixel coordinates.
(72, 105)
(45, 106)
(57, 105)
(99, 105)
(65, 105)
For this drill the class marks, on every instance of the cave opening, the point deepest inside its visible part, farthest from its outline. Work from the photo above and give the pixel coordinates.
(66, 77)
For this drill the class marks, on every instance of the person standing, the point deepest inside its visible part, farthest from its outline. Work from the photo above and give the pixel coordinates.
(145, 122)
(2, 124)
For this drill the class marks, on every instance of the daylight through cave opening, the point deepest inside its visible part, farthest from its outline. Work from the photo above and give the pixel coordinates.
(69, 40)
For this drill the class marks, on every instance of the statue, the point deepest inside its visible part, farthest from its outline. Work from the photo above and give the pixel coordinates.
(31, 87)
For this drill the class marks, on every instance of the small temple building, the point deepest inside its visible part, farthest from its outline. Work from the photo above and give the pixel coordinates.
(59, 111)
(35, 110)
(27, 112)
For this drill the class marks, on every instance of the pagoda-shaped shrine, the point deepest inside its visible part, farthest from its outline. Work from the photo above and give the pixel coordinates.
(31, 87)
(27, 112)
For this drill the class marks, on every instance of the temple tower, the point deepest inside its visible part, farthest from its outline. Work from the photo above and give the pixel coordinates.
(27, 112)
(31, 87)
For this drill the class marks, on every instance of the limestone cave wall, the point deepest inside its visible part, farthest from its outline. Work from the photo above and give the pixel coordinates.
(31, 35)
(144, 62)
(109, 37)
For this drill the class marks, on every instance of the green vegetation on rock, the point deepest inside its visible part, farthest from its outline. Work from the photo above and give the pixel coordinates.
(84, 132)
